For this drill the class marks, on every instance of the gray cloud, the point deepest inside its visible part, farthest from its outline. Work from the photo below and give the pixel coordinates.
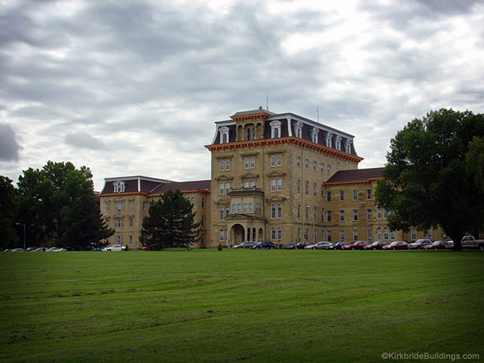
(9, 147)
(84, 141)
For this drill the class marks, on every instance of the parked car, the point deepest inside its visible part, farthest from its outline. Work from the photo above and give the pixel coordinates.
(397, 245)
(302, 245)
(377, 245)
(471, 242)
(440, 245)
(338, 246)
(323, 245)
(244, 245)
(358, 245)
(420, 243)
(114, 248)
(264, 245)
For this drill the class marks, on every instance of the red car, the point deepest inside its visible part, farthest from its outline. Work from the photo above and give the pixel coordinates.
(397, 245)
(358, 245)
(440, 245)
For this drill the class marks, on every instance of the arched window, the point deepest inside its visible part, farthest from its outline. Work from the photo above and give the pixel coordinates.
(224, 135)
(314, 135)
(298, 129)
(275, 129)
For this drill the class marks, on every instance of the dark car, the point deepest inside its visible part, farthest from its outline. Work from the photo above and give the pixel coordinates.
(377, 245)
(245, 245)
(338, 246)
(440, 245)
(264, 245)
(358, 245)
(301, 245)
(397, 245)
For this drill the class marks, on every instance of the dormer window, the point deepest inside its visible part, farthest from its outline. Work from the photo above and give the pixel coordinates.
(119, 187)
(314, 135)
(298, 129)
(275, 129)
(348, 146)
(329, 138)
(224, 135)
(338, 143)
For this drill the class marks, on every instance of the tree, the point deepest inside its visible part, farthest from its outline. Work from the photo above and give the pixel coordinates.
(426, 182)
(171, 223)
(59, 203)
(8, 213)
(475, 160)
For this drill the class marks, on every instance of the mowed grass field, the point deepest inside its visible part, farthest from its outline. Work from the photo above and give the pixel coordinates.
(233, 305)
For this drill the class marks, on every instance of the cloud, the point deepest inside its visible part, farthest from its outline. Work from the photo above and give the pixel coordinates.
(84, 141)
(9, 147)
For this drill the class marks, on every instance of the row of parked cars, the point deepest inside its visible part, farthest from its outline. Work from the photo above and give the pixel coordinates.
(425, 243)
(35, 249)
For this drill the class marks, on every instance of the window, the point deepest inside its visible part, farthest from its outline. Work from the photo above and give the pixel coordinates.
(298, 162)
(314, 166)
(315, 187)
(275, 129)
(378, 234)
(107, 206)
(119, 187)
(221, 189)
(130, 240)
(385, 233)
(273, 233)
(307, 163)
(328, 236)
(355, 194)
(355, 235)
(355, 215)
(221, 213)
(392, 234)
(279, 211)
(369, 234)
(246, 208)
(298, 129)
(368, 194)
(246, 163)
(221, 235)
(299, 211)
(307, 187)
(273, 211)
(299, 186)
(328, 216)
(222, 166)
(338, 143)
(227, 188)
(322, 167)
(328, 197)
(341, 215)
(118, 223)
(379, 213)
(224, 135)
(119, 206)
(252, 163)
(276, 160)
(193, 202)
(130, 222)
(329, 169)
(413, 234)
(227, 212)
(341, 195)
(341, 235)
(329, 137)
(273, 185)
(314, 135)
(279, 185)
(368, 214)
(258, 207)
(279, 234)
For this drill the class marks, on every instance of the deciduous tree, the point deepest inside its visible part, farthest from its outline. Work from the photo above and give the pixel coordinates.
(427, 183)
(8, 213)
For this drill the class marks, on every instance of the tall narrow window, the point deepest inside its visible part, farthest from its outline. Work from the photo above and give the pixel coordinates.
(275, 129)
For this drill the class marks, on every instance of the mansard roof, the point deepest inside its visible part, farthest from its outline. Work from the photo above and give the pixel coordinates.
(151, 186)
(289, 123)
(133, 184)
(187, 186)
(355, 176)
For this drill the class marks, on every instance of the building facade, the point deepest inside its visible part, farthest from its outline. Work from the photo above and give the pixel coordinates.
(267, 176)
(125, 201)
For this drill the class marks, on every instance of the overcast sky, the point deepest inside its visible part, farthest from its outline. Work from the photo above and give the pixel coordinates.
(134, 87)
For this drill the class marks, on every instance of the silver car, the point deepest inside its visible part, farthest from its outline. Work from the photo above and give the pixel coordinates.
(114, 248)
(323, 245)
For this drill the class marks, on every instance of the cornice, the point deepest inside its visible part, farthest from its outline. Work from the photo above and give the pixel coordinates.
(286, 140)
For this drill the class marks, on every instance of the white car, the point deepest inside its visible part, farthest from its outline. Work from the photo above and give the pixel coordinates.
(323, 245)
(114, 248)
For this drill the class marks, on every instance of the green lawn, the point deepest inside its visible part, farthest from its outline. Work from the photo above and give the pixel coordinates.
(260, 306)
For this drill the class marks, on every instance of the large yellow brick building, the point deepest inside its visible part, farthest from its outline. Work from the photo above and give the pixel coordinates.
(278, 177)
(267, 178)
